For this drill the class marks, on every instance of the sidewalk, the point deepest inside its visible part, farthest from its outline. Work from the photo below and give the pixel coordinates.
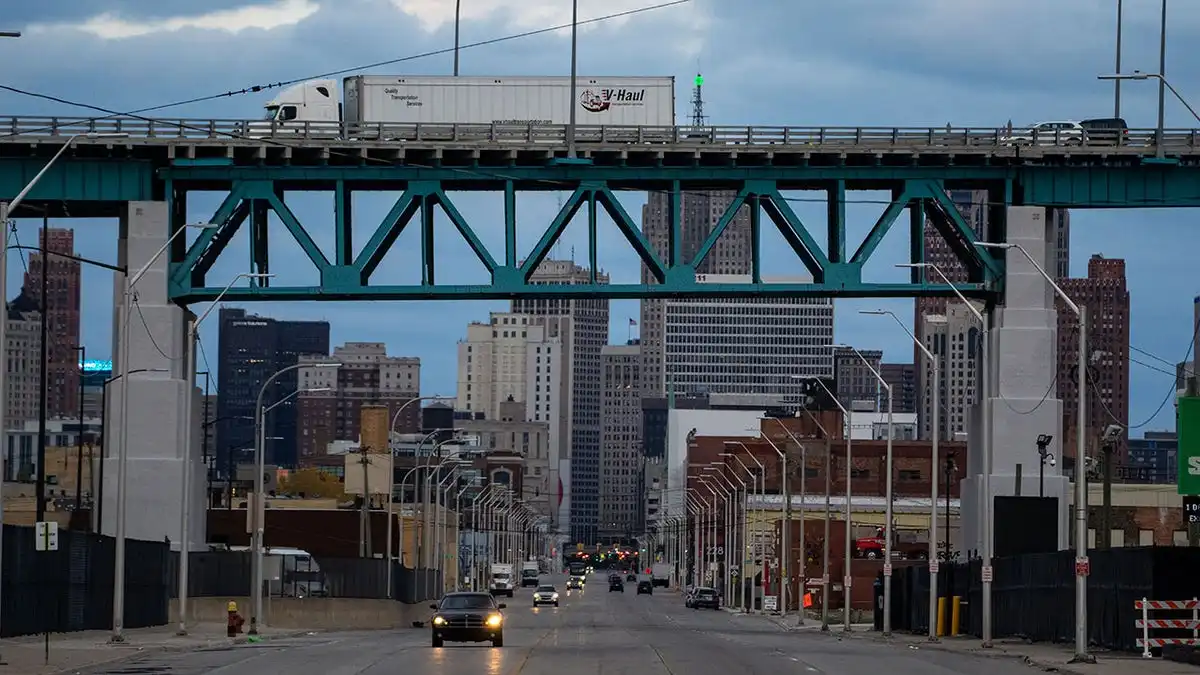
(70, 652)
(812, 621)
(1049, 657)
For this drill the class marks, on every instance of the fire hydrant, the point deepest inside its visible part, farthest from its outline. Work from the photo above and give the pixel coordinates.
(234, 622)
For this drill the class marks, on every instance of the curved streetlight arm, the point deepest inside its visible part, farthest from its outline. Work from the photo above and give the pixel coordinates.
(715, 472)
(294, 394)
(962, 298)
(217, 301)
(920, 345)
(1062, 295)
(866, 363)
(1139, 75)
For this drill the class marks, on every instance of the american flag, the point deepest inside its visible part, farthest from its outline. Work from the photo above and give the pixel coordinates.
(632, 322)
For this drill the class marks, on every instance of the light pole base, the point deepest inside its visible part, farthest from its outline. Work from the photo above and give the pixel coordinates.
(824, 628)
(986, 644)
(182, 632)
(933, 639)
(116, 640)
(253, 626)
(1082, 658)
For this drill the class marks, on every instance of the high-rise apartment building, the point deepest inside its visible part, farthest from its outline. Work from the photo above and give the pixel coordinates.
(699, 213)
(62, 318)
(24, 359)
(748, 347)
(512, 358)
(621, 484)
(902, 378)
(251, 349)
(331, 397)
(581, 326)
(857, 386)
(1105, 295)
(953, 338)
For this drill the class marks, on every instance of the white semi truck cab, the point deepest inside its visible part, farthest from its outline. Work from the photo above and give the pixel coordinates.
(502, 582)
(530, 573)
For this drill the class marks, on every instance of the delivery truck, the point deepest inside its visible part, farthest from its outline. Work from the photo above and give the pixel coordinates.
(530, 573)
(371, 102)
(502, 582)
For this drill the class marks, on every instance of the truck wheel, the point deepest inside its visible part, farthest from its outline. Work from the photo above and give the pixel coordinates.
(437, 641)
(510, 594)
(871, 555)
(498, 641)
(556, 603)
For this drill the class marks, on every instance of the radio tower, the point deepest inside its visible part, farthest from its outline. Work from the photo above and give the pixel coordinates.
(698, 102)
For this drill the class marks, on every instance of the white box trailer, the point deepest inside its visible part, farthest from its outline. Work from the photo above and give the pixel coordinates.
(609, 101)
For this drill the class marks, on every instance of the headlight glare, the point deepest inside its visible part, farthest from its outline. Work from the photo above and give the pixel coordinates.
(494, 620)
(439, 621)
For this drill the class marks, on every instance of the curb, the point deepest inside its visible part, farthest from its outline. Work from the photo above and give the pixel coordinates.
(136, 652)
(975, 652)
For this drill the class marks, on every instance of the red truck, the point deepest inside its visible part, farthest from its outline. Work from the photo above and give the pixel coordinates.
(904, 546)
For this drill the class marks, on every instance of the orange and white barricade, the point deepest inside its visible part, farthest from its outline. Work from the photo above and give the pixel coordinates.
(1146, 623)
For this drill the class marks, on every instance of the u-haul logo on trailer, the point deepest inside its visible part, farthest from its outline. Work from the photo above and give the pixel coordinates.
(599, 100)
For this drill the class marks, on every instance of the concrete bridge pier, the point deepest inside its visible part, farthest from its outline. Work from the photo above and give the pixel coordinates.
(1024, 401)
(158, 332)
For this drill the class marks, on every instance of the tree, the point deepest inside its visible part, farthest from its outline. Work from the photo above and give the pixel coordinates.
(312, 483)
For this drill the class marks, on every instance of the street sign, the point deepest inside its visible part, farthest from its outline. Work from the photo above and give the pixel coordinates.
(770, 603)
(847, 581)
(1191, 509)
(1189, 445)
(987, 575)
(1083, 567)
(933, 567)
(46, 533)
(887, 569)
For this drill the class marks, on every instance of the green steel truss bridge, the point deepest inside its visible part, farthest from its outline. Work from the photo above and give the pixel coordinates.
(254, 162)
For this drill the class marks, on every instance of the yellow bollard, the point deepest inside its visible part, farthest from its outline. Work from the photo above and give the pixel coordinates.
(955, 614)
(941, 617)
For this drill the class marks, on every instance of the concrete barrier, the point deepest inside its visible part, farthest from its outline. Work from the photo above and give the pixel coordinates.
(310, 613)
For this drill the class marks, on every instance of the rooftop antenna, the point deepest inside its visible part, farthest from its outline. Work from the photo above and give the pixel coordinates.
(698, 117)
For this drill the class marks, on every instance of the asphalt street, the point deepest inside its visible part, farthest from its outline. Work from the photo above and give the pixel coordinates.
(594, 632)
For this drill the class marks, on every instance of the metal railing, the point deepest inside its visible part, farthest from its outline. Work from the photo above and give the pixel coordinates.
(258, 132)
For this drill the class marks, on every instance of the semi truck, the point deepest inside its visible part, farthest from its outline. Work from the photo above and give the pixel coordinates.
(371, 102)
(529, 573)
(502, 582)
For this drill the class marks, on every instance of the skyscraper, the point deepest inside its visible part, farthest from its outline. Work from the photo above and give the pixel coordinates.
(582, 328)
(62, 318)
(251, 349)
(856, 384)
(747, 347)
(1105, 295)
(699, 213)
(953, 337)
(621, 442)
(24, 359)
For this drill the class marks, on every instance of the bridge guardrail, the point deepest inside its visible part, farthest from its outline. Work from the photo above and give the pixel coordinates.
(943, 139)
(1146, 623)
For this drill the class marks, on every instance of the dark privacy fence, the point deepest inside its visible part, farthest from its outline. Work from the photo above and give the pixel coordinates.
(228, 574)
(71, 589)
(1033, 596)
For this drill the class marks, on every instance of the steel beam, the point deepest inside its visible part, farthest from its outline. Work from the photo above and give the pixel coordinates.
(349, 276)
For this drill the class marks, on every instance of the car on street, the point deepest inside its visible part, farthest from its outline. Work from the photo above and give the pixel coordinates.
(688, 596)
(616, 584)
(575, 583)
(545, 595)
(468, 617)
(704, 597)
(645, 587)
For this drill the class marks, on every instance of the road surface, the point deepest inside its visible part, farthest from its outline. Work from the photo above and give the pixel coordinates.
(594, 632)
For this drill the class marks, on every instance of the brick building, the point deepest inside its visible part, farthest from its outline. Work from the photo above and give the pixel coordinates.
(1105, 295)
(62, 318)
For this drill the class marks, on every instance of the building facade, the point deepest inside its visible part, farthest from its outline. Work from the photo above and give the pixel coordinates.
(1154, 458)
(754, 346)
(857, 386)
(581, 326)
(251, 349)
(1105, 295)
(621, 453)
(512, 434)
(511, 358)
(24, 358)
(330, 399)
(902, 378)
(953, 338)
(699, 213)
(62, 318)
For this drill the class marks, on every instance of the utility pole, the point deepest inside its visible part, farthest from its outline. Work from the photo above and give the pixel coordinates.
(44, 388)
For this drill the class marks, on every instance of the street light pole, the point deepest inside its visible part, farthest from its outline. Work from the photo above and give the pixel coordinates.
(933, 463)
(574, 95)
(803, 586)
(185, 511)
(10, 33)
(259, 497)
(888, 531)
(1081, 493)
(787, 529)
(847, 577)
(987, 506)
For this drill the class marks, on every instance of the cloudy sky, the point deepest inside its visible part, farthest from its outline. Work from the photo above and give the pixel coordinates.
(766, 62)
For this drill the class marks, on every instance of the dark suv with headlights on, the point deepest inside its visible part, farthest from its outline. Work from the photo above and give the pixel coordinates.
(468, 617)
